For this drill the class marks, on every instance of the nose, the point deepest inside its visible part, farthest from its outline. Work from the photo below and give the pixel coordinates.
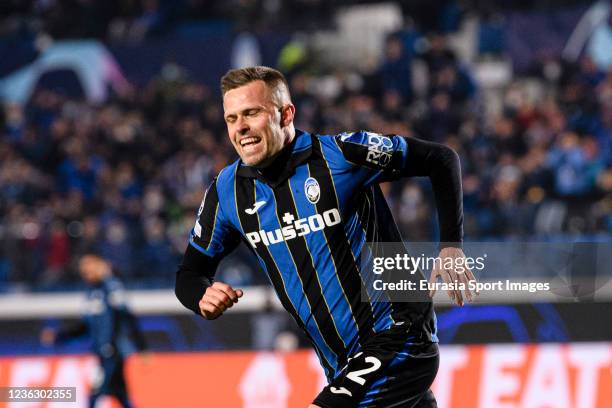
(242, 127)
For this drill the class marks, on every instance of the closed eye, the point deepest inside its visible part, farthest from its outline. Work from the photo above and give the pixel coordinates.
(247, 113)
(252, 112)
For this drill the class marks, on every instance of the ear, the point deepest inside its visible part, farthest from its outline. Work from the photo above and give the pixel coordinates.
(287, 114)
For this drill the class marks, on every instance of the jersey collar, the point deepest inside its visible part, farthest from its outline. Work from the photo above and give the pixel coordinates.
(284, 165)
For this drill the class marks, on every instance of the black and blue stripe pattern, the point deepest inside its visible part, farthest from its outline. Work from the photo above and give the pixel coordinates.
(307, 222)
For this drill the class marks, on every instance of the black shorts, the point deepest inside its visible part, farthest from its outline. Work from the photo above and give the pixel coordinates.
(113, 378)
(391, 370)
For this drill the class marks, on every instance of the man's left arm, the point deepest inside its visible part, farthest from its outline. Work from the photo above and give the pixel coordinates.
(379, 158)
(441, 164)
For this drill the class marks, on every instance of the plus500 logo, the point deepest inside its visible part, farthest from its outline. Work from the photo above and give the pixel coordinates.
(296, 228)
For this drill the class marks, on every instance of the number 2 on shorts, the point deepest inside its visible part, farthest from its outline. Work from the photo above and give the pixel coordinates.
(357, 375)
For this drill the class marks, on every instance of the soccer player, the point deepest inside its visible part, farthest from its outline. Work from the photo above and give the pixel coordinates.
(307, 205)
(113, 329)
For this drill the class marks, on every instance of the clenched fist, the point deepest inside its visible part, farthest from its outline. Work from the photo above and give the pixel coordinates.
(217, 299)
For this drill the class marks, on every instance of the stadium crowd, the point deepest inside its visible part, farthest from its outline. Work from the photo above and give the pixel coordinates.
(128, 175)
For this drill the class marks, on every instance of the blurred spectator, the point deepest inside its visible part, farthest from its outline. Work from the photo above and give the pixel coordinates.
(155, 258)
(576, 165)
(116, 247)
(396, 70)
(58, 254)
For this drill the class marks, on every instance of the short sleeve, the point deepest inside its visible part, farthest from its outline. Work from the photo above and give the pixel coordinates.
(212, 235)
(383, 155)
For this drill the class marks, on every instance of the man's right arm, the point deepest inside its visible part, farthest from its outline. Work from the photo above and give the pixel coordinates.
(211, 239)
(194, 276)
(195, 287)
(50, 337)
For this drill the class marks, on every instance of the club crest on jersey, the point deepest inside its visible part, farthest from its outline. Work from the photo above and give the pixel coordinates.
(312, 190)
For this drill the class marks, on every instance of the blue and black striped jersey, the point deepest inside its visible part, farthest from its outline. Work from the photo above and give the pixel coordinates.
(308, 219)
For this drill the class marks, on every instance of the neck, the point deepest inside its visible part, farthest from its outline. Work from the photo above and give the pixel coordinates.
(289, 135)
(283, 153)
(277, 164)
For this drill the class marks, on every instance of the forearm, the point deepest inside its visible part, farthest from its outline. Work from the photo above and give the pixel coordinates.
(71, 331)
(441, 164)
(194, 276)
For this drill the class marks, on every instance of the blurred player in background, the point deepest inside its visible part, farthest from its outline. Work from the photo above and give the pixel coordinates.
(113, 328)
(306, 205)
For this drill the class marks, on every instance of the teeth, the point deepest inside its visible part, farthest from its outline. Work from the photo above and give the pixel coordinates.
(249, 140)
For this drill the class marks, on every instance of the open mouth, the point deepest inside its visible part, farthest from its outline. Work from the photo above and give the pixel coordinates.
(248, 141)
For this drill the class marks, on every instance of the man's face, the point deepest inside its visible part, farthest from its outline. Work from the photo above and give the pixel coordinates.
(254, 123)
(92, 269)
